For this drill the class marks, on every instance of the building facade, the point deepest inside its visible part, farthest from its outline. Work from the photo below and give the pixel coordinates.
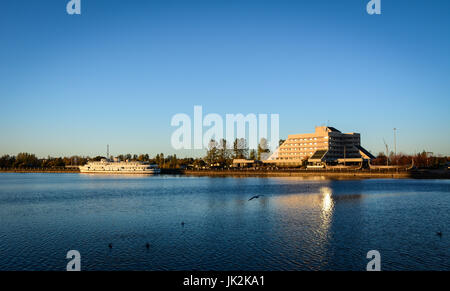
(326, 146)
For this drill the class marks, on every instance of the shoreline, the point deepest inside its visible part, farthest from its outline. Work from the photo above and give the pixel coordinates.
(305, 174)
(343, 174)
(427, 174)
(59, 171)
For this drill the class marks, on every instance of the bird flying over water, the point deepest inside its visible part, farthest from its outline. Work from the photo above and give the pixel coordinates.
(255, 197)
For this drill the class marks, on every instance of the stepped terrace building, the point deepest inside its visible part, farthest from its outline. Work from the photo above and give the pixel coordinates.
(326, 146)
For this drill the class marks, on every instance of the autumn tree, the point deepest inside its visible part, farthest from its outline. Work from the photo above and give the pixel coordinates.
(223, 153)
(240, 149)
(253, 154)
(26, 160)
(263, 149)
(212, 153)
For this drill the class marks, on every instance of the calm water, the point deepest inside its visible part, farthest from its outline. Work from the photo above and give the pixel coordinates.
(297, 225)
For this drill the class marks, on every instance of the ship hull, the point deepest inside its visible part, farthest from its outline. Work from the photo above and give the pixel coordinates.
(147, 172)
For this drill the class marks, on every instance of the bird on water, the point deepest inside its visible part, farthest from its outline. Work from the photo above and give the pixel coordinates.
(182, 223)
(255, 197)
(147, 245)
(439, 233)
(110, 245)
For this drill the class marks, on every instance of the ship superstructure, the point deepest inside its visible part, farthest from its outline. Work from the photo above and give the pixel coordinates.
(106, 166)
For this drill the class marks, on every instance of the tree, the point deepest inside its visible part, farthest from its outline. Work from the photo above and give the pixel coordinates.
(263, 149)
(199, 163)
(143, 158)
(240, 149)
(380, 160)
(7, 161)
(253, 155)
(173, 161)
(53, 163)
(223, 153)
(184, 163)
(212, 153)
(161, 160)
(26, 160)
(97, 158)
(423, 159)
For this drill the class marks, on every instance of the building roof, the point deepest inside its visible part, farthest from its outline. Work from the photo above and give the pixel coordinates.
(333, 129)
(318, 155)
(365, 152)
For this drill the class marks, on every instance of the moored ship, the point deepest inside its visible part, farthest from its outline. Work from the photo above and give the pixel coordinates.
(106, 166)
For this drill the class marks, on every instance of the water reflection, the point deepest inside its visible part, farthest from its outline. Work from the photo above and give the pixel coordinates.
(296, 224)
(307, 221)
(327, 210)
(327, 200)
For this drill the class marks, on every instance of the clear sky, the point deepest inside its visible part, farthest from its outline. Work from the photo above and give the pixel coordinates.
(118, 73)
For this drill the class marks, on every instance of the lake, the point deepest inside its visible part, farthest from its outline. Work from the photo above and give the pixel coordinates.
(296, 224)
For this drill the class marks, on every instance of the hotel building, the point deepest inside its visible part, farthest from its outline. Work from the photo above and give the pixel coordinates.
(326, 146)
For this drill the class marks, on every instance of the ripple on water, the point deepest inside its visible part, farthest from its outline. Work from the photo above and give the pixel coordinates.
(297, 225)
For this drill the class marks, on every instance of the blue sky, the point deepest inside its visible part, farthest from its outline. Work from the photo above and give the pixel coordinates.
(118, 73)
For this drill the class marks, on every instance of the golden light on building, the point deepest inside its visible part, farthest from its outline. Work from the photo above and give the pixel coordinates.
(326, 145)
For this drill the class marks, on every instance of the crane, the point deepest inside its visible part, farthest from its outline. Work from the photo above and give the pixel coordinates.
(387, 152)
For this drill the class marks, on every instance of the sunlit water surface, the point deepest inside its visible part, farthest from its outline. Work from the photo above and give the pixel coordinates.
(297, 224)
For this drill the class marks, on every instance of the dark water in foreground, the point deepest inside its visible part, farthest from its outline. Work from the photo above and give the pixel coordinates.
(297, 224)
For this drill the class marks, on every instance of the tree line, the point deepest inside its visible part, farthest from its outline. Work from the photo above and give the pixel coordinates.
(420, 160)
(218, 155)
(30, 161)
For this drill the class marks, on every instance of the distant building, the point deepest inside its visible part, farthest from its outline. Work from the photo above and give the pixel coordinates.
(243, 163)
(326, 146)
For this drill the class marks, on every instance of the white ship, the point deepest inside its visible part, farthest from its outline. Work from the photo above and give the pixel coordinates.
(116, 166)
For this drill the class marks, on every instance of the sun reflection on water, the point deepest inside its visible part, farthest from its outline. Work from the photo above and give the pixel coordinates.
(309, 220)
(327, 200)
(326, 210)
